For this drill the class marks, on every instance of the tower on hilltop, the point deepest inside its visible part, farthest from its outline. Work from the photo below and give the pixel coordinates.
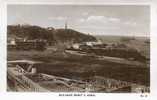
(66, 25)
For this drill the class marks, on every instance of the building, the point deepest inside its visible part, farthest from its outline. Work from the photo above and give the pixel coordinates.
(24, 44)
(76, 46)
(93, 43)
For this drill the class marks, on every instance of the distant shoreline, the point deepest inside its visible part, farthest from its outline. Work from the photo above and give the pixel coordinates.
(146, 37)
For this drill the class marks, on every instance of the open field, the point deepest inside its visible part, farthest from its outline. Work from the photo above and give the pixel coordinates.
(81, 67)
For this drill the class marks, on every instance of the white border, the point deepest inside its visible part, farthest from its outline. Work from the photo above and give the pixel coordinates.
(40, 96)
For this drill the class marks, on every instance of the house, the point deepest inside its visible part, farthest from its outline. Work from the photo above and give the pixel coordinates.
(91, 43)
(76, 46)
(11, 41)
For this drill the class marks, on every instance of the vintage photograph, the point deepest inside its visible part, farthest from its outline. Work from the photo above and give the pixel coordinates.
(78, 48)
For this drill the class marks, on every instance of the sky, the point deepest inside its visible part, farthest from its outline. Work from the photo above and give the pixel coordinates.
(126, 20)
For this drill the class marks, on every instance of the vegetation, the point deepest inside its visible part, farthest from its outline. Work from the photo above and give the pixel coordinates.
(65, 35)
(80, 67)
(51, 35)
(126, 39)
(72, 66)
(30, 32)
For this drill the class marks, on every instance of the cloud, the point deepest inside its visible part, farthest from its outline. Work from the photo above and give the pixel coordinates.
(85, 13)
(19, 19)
(96, 19)
(99, 19)
(60, 18)
(82, 20)
(99, 23)
(129, 23)
(112, 19)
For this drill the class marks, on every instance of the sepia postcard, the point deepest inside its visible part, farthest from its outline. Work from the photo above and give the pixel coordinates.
(98, 49)
(78, 48)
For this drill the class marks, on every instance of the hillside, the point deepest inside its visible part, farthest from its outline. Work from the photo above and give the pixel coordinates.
(69, 34)
(36, 32)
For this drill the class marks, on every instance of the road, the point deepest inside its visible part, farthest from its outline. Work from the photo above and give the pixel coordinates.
(110, 59)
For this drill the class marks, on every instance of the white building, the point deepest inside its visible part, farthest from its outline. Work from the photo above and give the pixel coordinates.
(76, 46)
(11, 41)
(93, 43)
